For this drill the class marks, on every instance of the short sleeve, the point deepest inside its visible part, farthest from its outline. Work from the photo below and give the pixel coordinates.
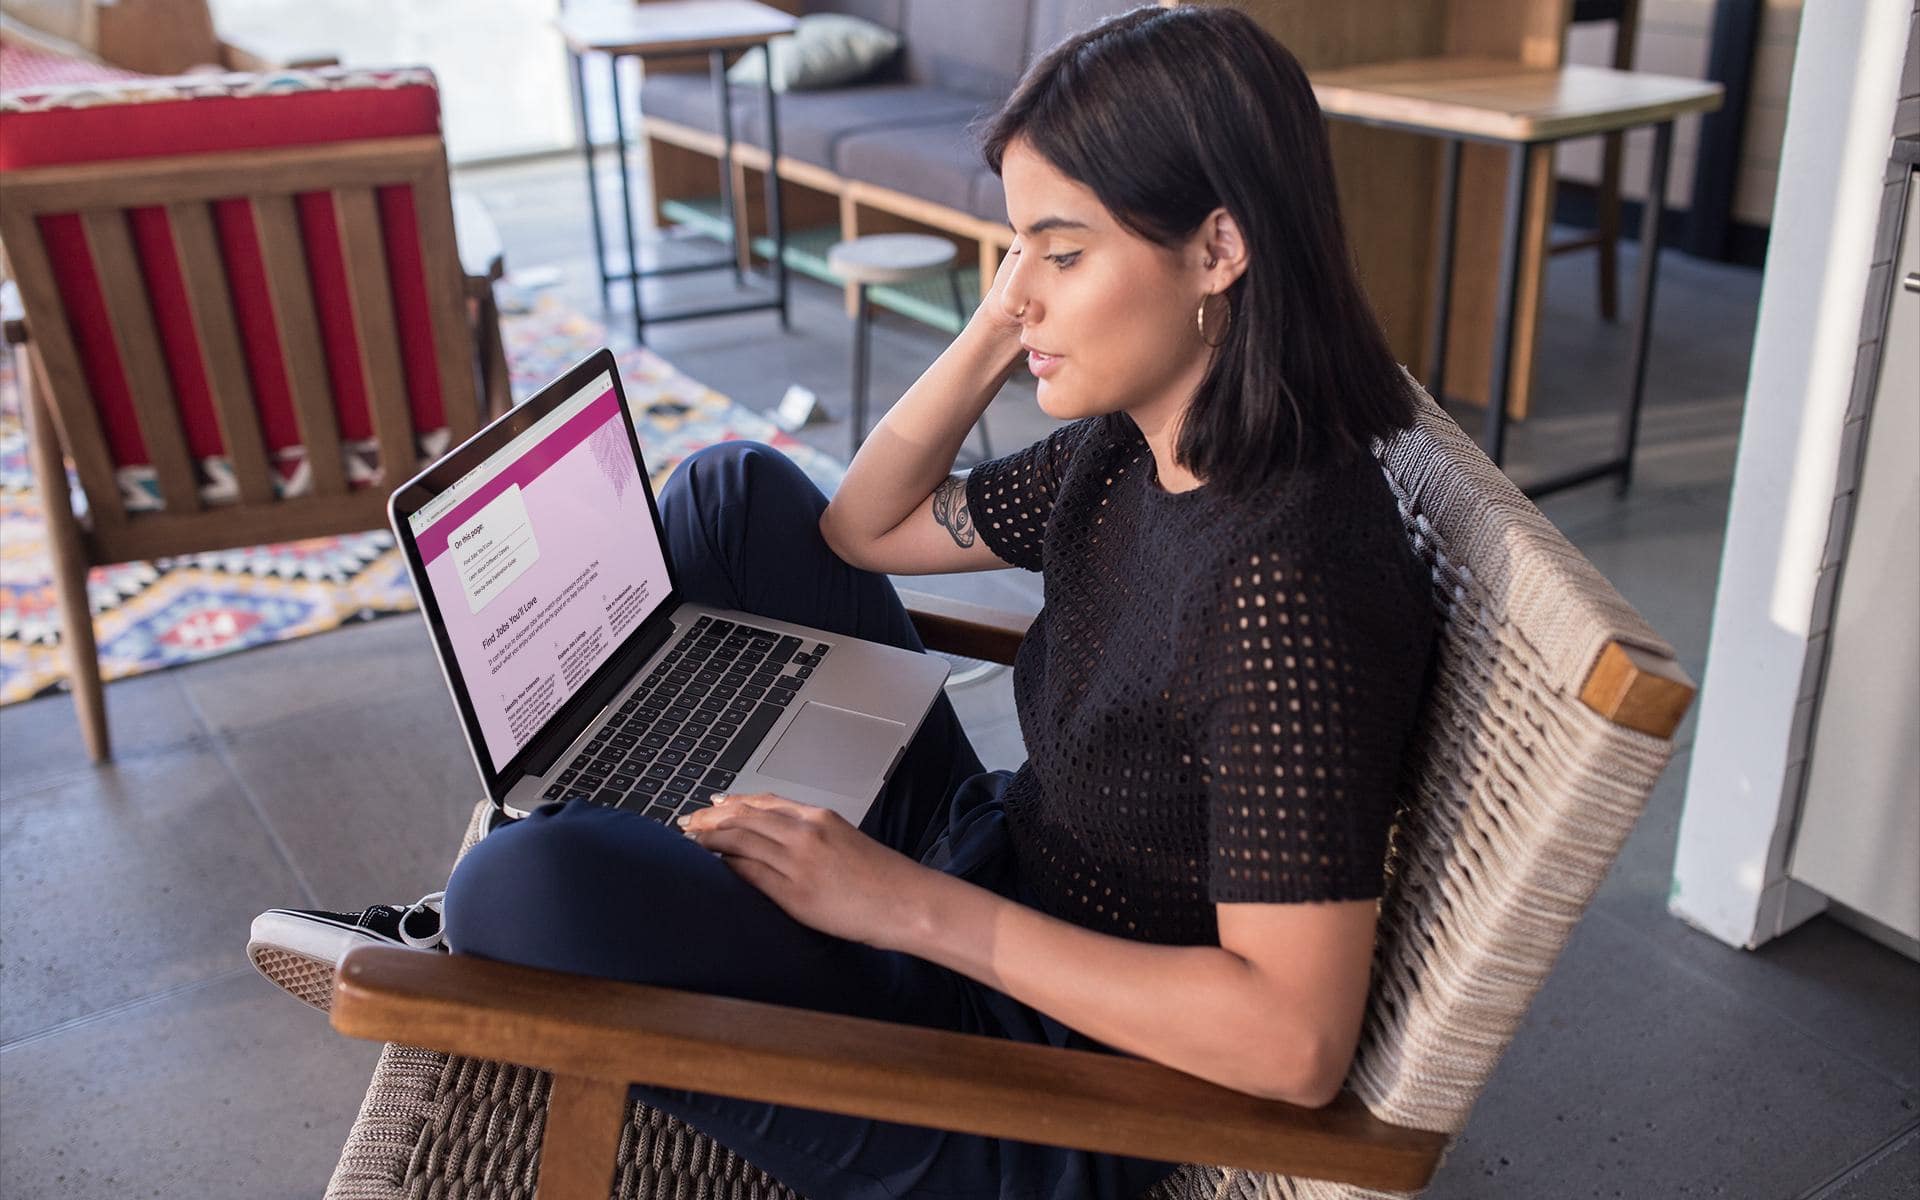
(1011, 498)
(1310, 698)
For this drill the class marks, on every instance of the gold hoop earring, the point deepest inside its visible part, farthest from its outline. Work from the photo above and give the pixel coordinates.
(1200, 320)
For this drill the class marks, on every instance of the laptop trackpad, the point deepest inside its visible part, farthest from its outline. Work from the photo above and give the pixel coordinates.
(834, 749)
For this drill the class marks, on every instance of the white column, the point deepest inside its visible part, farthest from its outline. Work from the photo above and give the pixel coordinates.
(1729, 869)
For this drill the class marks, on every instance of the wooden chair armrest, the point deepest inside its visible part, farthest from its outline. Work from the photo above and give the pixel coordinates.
(584, 1029)
(966, 629)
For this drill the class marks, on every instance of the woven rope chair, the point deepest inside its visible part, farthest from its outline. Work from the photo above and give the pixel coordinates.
(1549, 718)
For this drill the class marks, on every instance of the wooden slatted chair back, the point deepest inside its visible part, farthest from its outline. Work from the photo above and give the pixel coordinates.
(243, 299)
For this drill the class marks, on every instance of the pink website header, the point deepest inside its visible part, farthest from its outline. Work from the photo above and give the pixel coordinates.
(521, 472)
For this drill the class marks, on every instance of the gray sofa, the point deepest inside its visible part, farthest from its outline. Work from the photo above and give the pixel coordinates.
(907, 130)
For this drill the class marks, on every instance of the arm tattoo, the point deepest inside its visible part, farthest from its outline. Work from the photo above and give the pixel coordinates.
(950, 510)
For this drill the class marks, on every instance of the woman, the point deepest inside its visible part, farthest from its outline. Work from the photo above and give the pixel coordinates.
(1215, 698)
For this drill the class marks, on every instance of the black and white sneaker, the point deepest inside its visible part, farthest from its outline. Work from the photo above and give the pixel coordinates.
(297, 948)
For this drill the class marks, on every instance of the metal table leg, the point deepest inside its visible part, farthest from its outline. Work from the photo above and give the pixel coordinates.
(723, 101)
(593, 177)
(626, 202)
(1621, 464)
(1443, 278)
(776, 221)
(729, 200)
(1646, 275)
(1500, 370)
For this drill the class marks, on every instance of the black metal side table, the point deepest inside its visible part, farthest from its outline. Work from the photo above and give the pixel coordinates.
(678, 29)
(1510, 104)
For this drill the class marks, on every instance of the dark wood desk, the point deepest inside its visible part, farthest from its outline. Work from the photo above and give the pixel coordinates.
(677, 29)
(1503, 103)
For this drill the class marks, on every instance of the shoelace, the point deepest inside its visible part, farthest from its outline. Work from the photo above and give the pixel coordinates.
(432, 902)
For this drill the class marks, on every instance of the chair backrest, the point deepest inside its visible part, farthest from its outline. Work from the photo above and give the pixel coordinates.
(243, 298)
(1521, 790)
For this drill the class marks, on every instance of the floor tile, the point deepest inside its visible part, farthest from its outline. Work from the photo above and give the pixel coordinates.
(1892, 1176)
(369, 799)
(1830, 983)
(231, 1089)
(120, 883)
(1631, 1077)
(40, 739)
(1664, 558)
(1835, 986)
(348, 665)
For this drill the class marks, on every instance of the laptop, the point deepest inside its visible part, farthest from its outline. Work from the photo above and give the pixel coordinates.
(579, 669)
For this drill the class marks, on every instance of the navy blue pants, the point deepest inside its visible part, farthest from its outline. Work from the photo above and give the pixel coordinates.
(608, 893)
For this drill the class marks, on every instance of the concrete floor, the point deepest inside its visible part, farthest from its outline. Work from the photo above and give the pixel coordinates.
(139, 1054)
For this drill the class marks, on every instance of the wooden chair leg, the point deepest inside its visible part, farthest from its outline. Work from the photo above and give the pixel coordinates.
(69, 561)
(83, 661)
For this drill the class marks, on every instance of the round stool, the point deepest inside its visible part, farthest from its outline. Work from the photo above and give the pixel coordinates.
(883, 258)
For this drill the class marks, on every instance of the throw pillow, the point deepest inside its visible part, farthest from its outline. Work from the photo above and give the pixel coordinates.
(824, 50)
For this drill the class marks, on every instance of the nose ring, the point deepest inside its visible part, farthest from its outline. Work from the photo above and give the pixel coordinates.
(1022, 312)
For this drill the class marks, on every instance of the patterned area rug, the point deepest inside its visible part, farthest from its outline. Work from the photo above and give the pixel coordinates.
(150, 615)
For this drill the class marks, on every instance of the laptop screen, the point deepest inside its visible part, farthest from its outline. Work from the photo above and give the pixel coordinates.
(542, 560)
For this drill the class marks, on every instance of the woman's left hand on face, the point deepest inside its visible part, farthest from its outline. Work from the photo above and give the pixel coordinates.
(824, 872)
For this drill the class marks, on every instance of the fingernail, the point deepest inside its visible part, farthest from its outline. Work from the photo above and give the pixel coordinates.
(719, 797)
(683, 822)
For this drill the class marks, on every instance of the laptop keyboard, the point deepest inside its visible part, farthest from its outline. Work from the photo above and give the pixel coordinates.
(692, 723)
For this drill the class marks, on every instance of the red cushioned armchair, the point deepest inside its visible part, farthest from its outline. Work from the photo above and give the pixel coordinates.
(245, 315)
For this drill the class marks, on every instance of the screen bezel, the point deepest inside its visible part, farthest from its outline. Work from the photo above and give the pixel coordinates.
(409, 498)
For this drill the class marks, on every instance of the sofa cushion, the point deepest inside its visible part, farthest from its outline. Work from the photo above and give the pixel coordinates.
(934, 162)
(978, 48)
(687, 99)
(811, 123)
(824, 50)
(885, 13)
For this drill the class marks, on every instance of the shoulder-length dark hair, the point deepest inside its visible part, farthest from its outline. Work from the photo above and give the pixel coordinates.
(1169, 113)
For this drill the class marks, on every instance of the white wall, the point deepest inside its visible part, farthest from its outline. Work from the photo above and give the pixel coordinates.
(1729, 870)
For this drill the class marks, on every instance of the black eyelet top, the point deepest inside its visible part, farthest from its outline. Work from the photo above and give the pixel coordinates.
(1219, 692)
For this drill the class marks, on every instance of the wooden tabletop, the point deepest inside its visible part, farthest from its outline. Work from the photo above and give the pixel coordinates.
(1501, 100)
(671, 26)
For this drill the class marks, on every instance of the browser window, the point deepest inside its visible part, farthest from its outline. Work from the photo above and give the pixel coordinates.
(542, 560)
